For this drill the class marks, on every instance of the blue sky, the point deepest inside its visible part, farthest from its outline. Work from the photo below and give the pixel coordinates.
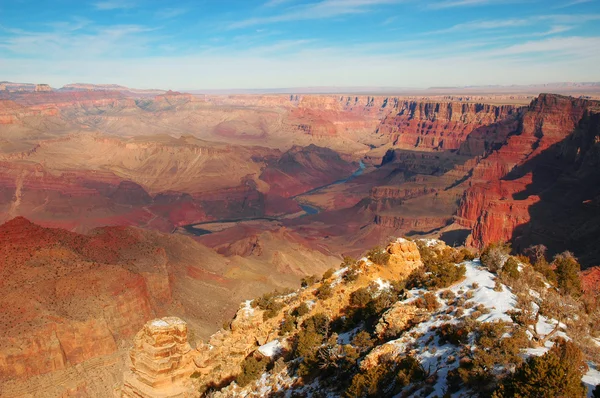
(298, 43)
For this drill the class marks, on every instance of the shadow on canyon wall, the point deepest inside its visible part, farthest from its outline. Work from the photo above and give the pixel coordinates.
(566, 177)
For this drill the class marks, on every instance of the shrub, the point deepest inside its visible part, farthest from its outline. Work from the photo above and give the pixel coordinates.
(308, 281)
(494, 353)
(252, 369)
(428, 302)
(469, 295)
(498, 286)
(596, 392)
(318, 323)
(363, 341)
(439, 270)
(456, 334)
(288, 325)
(301, 310)
(361, 297)
(557, 373)
(475, 285)
(494, 255)
(380, 380)
(482, 309)
(464, 254)
(269, 303)
(511, 269)
(328, 274)
(567, 273)
(351, 274)
(347, 262)
(475, 314)
(545, 269)
(378, 256)
(410, 370)
(447, 295)
(324, 291)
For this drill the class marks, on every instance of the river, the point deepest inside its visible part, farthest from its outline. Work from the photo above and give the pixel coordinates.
(308, 209)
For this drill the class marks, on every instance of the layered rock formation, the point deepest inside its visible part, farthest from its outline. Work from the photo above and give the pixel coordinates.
(439, 126)
(161, 361)
(40, 88)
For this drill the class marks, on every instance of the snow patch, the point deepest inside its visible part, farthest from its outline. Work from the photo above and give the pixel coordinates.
(383, 285)
(159, 323)
(591, 379)
(270, 349)
(247, 308)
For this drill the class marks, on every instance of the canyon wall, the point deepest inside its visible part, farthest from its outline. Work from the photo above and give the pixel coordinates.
(540, 185)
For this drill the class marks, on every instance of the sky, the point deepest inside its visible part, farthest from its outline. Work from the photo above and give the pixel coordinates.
(228, 44)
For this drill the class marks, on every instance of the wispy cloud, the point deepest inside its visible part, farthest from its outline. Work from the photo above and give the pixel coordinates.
(483, 25)
(108, 5)
(573, 3)
(65, 40)
(169, 13)
(554, 24)
(321, 10)
(438, 5)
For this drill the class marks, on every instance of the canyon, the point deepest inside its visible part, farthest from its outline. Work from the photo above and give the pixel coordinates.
(119, 206)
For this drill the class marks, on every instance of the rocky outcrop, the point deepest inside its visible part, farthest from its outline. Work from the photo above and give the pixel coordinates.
(42, 88)
(161, 361)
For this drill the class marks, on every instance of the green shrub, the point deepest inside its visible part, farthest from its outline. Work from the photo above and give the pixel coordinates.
(439, 270)
(301, 310)
(288, 325)
(361, 297)
(252, 369)
(494, 353)
(545, 269)
(557, 373)
(269, 303)
(511, 269)
(456, 334)
(324, 291)
(410, 370)
(351, 274)
(378, 256)
(363, 341)
(348, 262)
(308, 281)
(463, 254)
(328, 274)
(567, 273)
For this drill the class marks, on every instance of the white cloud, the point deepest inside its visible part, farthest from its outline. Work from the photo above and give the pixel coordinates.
(321, 10)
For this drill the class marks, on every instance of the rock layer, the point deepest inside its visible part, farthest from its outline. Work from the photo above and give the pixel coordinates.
(161, 361)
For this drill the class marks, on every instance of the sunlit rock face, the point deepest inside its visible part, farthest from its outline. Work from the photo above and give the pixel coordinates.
(161, 360)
